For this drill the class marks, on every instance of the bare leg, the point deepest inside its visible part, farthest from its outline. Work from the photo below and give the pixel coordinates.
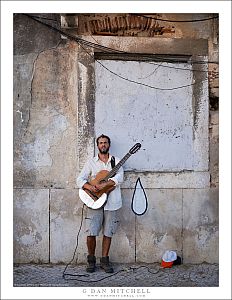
(91, 259)
(91, 245)
(104, 261)
(106, 245)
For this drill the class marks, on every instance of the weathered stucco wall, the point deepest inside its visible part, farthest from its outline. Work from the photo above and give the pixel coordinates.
(54, 116)
(45, 135)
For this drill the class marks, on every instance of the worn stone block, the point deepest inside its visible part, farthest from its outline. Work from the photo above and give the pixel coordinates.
(47, 147)
(24, 67)
(160, 228)
(214, 155)
(214, 117)
(65, 221)
(185, 46)
(123, 243)
(214, 92)
(31, 225)
(200, 226)
(22, 93)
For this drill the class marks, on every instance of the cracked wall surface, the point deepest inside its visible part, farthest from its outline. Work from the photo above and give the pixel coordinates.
(45, 135)
(54, 116)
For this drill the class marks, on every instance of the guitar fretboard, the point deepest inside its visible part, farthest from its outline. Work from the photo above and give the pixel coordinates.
(117, 167)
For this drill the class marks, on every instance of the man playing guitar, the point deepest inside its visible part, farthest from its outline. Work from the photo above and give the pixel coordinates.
(106, 217)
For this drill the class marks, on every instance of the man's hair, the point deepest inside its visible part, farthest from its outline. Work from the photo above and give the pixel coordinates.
(103, 136)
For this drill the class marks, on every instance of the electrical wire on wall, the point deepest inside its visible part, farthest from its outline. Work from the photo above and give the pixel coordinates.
(176, 21)
(148, 17)
(82, 42)
(109, 49)
(148, 58)
(147, 85)
(101, 47)
(112, 50)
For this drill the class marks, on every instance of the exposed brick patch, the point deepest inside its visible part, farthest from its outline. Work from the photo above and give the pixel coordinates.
(128, 25)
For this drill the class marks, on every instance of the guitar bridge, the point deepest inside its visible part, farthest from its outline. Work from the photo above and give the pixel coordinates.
(91, 194)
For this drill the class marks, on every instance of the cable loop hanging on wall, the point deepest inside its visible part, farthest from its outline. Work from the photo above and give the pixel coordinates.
(139, 203)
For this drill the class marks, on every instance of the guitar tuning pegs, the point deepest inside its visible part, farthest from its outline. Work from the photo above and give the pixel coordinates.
(135, 148)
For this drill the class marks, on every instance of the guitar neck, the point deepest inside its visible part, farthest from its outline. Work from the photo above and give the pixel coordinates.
(117, 167)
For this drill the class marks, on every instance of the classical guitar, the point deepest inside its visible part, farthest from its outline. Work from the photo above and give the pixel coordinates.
(98, 199)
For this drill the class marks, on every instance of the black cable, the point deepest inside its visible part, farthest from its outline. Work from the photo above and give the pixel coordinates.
(114, 274)
(74, 254)
(87, 275)
(71, 37)
(64, 275)
(176, 21)
(136, 82)
(147, 85)
(86, 43)
(152, 57)
(43, 18)
(163, 66)
(82, 213)
(156, 68)
(178, 68)
(108, 49)
(140, 83)
(70, 276)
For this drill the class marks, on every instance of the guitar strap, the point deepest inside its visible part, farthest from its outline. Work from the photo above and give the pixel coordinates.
(112, 162)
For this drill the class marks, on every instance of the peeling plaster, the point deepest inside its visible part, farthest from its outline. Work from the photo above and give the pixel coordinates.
(33, 73)
(206, 233)
(199, 89)
(159, 238)
(83, 77)
(31, 238)
(36, 154)
(21, 115)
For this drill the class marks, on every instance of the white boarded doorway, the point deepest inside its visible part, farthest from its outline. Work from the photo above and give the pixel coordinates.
(161, 120)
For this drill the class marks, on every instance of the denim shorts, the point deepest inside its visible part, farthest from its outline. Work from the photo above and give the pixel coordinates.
(97, 219)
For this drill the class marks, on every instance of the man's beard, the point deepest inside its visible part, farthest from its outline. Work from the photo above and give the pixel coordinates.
(104, 151)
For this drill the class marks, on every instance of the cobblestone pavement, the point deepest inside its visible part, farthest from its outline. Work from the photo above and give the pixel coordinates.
(126, 275)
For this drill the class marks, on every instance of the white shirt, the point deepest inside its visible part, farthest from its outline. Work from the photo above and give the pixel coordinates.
(90, 170)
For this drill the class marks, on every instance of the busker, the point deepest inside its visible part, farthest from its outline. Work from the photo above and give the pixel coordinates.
(106, 217)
